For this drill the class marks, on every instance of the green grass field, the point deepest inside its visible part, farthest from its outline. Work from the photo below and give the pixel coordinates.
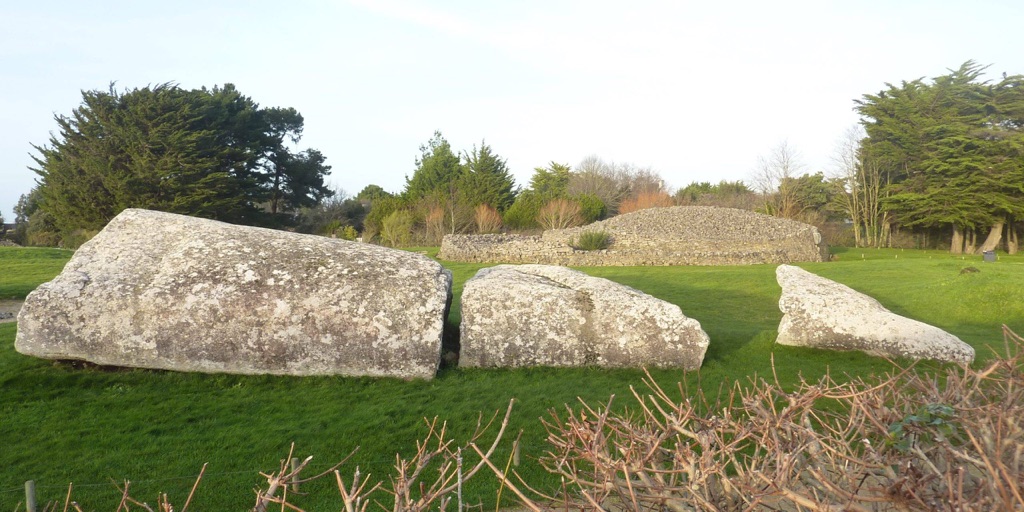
(63, 424)
(22, 269)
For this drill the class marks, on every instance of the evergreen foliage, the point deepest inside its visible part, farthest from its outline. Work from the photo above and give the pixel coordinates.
(437, 168)
(591, 207)
(209, 152)
(372, 193)
(593, 240)
(953, 150)
(523, 213)
(551, 181)
(546, 184)
(728, 194)
(396, 228)
(811, 192)
(444, 191)
(62, 411)
(381, 209)
(331, 216)
(298, 180)
(487, 179)
(32, 225)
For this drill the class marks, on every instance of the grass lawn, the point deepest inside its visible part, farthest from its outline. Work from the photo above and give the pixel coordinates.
(22, 269)
(65, 424)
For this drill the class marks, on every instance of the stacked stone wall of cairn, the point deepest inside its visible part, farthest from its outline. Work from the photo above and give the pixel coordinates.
(677, 235)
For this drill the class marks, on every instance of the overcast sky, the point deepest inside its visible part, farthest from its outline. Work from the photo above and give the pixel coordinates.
(694, 90)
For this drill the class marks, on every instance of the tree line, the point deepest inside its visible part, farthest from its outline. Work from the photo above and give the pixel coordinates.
(474, 192)
(937, 161)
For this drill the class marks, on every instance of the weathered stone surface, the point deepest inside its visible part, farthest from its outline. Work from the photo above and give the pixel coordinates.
(677, 235)
(157, 290)
(822, 313)
(539, 315)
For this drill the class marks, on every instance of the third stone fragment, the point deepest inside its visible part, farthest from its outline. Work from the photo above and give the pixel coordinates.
(822, 313)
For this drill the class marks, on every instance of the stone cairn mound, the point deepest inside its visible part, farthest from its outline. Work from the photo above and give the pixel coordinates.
(676, 235)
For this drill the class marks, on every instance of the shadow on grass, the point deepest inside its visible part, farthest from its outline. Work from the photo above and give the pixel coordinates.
(735, 305)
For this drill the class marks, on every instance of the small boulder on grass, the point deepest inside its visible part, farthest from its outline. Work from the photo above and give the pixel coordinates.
(822, 313)
(542, 315)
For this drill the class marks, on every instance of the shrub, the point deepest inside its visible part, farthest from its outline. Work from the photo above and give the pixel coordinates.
(349, 233)
(591, 207)
(381, 209)
(332, 228)
(42, 238)
(396, 229)
(335, 229)
(433, 221)
(331, 215)
(645, 200)
(838, 234)
(523, 213)
(487, 219)
(559, 214)
(76, 238)
(593, 240)
(912, 440)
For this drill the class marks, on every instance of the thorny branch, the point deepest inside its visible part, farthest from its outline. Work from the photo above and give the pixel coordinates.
(911, 440)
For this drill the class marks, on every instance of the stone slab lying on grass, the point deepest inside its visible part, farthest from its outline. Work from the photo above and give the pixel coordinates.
(822, 313)
(158, 290)
(540, 315)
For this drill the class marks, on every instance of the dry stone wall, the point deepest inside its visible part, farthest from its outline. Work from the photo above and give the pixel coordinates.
(678, 235)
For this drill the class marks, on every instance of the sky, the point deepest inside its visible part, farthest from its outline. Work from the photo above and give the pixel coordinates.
(696, 91)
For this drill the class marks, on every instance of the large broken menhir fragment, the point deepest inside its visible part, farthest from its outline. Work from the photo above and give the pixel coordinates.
(166, 291)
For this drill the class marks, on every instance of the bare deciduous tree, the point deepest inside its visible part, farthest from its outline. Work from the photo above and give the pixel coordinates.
(645, 200)
(613, 182)
(773, 179)
(596, 177)
(864, 184)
